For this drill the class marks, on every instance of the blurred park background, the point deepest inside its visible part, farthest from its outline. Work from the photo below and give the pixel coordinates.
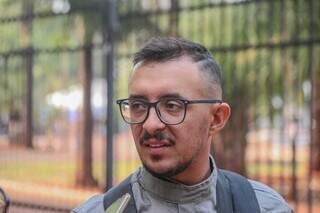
(64, 62)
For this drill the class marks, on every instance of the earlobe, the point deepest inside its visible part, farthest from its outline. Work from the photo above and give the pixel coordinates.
(220, 116)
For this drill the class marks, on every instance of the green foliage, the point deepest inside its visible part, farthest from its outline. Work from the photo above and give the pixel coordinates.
(261, 78)
(60, 173)
(9, 7)
(56, 172)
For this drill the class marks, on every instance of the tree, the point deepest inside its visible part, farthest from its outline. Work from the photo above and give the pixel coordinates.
(316, 130)
(89, 24)
(84, 173)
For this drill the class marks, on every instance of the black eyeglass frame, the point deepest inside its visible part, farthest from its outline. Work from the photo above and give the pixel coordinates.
(154, 104)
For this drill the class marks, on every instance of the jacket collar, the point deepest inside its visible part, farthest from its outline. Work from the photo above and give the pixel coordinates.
(177, 192)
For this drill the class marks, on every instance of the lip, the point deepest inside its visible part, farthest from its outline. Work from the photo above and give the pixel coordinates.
(156, 147)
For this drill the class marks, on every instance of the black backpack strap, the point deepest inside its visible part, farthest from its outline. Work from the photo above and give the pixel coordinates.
(117, 192)
(243, 196)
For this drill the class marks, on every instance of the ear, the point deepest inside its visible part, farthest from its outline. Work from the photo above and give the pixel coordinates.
(220, 115)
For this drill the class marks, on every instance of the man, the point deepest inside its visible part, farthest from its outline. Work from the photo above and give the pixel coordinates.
(175, 109)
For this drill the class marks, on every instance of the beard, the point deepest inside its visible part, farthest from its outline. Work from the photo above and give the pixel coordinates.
(169, 173)
(176, 168)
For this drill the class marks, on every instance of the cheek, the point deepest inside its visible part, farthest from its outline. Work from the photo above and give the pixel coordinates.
(195, 131)
(198, 122)
(136, 132)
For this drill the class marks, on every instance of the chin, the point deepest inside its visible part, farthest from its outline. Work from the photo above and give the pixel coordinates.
(165, 171)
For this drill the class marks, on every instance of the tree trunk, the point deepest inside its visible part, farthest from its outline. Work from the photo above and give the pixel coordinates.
(229, 147)
(84, 176)
(235, 141)
(316, 130)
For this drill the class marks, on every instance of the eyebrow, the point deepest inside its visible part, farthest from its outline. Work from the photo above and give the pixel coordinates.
(169, 95)
(173, 95)
(137, 97)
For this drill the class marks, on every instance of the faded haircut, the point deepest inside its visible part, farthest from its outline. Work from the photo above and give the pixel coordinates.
(162, 49)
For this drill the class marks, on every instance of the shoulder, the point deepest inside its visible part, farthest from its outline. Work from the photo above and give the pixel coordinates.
(269, 200)
(94, 204)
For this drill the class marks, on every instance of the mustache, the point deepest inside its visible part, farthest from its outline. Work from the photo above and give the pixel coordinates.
(158, 136)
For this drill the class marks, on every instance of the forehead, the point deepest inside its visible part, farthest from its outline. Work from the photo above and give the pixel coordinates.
(154, 80)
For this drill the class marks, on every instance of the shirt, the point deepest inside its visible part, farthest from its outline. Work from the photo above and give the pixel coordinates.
(153, 194)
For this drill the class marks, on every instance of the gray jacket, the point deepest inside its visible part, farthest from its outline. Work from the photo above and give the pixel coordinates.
(152, 194)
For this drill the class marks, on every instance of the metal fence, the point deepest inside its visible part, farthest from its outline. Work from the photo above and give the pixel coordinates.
(269, 52)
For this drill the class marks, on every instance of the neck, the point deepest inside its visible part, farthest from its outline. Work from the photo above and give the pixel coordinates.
(194, 174)
(175, 192)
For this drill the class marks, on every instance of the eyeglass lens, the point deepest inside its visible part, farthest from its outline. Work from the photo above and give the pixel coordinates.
(169, 111)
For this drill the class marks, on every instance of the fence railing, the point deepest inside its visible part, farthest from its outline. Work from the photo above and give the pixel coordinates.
(268, 51)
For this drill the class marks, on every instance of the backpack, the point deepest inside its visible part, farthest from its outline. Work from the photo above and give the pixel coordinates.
(234, 195)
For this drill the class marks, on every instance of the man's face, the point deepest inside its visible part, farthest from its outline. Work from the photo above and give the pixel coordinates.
(172, 150)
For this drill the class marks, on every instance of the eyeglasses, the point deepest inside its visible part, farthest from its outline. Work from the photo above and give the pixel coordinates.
(170, 111)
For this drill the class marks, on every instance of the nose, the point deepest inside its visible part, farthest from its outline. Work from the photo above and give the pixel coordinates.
(153, 124)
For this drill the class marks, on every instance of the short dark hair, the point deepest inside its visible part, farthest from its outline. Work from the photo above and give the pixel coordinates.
(161, 49)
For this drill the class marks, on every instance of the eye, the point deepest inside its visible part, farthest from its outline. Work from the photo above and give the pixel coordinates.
(137, 106)
(173, 105)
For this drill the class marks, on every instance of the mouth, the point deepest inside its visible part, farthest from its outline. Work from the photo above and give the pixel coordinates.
(156, 147)
(154, 143)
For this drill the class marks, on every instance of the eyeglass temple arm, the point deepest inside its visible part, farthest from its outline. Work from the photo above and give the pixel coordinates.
(204, 101)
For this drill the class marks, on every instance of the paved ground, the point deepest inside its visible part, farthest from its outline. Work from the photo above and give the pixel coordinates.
(23, 209)
(36, 196)
(47, 194)
(57, 196)
(35, 193)
(14, 209)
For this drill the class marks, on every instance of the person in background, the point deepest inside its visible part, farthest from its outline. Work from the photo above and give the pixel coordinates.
(175, 110)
